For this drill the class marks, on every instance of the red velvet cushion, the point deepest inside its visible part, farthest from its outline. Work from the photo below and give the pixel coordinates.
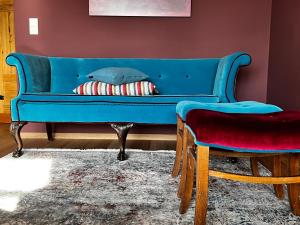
(274, 131)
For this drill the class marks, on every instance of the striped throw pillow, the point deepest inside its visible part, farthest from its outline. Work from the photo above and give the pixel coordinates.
(140, 88)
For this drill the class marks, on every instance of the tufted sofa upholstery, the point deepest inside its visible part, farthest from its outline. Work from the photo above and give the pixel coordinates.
(46, 85)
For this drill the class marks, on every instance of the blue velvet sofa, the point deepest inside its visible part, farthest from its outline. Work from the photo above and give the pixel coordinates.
(46, 84)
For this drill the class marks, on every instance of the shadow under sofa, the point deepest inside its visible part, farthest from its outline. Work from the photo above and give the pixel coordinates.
(46, 84)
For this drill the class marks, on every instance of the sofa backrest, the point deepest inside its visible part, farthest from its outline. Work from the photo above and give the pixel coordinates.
(217, 76)
(171, 76)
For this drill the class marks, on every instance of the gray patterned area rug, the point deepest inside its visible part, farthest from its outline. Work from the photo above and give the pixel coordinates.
(93, 187)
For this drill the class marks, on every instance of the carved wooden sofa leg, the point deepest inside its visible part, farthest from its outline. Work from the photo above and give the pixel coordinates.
(122, 131)
(15, 129)
(49, 129)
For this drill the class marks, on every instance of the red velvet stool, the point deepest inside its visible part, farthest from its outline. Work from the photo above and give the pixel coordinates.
(257, 136)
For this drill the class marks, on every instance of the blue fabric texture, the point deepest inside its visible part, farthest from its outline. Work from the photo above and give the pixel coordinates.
(226, 74)
(168, 99)
(117, 75)
(248, 107)
(170, 76)
(46, 84)
(36, 68)
(77, 108)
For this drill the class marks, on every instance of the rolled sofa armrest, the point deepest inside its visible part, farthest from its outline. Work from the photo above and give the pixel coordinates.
(33, 71)
(224, 86)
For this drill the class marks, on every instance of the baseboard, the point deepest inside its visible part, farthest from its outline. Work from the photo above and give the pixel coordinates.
(100, 136)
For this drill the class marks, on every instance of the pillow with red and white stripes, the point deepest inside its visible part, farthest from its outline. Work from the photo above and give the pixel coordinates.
(139, 88)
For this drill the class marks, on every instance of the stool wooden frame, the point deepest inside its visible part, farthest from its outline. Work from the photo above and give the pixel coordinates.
(179, 146)
(195, 159)
(181, 158)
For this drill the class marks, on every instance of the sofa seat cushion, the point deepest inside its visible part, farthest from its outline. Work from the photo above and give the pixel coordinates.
(168, 99)
(49, 107)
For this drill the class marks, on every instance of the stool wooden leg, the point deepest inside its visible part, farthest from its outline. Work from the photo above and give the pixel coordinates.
(202, 185)
(176, 166)
(184, 163)
(294, 189)
(189, 184)
(254, 167)
(278, 188)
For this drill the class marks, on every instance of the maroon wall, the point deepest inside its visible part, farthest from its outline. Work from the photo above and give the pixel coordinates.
(216, 28)
(284, 67)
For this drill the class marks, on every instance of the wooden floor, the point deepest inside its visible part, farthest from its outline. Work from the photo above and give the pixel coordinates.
(7, 144)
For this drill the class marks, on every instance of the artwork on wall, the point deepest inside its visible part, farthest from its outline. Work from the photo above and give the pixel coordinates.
(159, 8)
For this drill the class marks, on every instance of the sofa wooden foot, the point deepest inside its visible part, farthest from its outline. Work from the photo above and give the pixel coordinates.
(15, 130)
(233, 160)
(49, 130)
(122, 131)
(122, 155)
